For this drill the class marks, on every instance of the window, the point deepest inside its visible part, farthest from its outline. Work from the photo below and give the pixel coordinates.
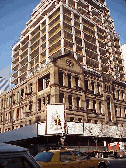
(125, 111)
(105, 87)
(29, 122)
(66, 156)
(48, 99)
(61, 78)
(100, 107)
(18, 113)
(70, 101)
(1, 118)
(40, 84)
(44, 156)
(22, 93)
(18, 97)
(80, 155)
(15, 162)
(61, 97)
(30, 87)
(30, 105)
(86, 84)
(120, 112)
(96, 121)
(9, 117)
(115, 110)
(98, 85)
(78, 102)
(118, 93)
(22, 110)
(69, 80)
(1, 103)
(92, 84)
(94, 103)
(46, 81)
(71, 119)
(39, 104)
(43, 82)
(76, 81)
(87, 104)
(79, 119)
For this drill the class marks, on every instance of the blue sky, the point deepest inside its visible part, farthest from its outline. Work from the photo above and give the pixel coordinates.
(15, 13)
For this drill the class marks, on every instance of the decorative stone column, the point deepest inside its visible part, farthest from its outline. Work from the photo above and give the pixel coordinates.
(66, 100)
(90, 104)
(95, 88)
(73, 84)
(97, 106)
(65, 79)
(74, 102)
(54, 85)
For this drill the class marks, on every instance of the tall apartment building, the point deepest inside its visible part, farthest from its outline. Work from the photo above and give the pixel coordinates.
(68, 53)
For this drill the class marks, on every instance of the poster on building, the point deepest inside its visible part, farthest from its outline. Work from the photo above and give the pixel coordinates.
(75, 128)
(55, 119)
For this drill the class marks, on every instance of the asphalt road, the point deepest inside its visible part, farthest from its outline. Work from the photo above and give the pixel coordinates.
(117, 163)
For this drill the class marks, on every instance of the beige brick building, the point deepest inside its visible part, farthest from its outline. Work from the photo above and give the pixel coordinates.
(68, 53)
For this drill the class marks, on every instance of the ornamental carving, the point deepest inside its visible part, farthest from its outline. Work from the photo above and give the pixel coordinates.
(69, 63)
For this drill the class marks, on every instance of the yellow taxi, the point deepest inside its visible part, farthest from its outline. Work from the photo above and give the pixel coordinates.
(68, 158)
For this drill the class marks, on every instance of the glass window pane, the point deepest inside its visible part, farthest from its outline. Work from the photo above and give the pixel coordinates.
(44, 156)
(66, 156)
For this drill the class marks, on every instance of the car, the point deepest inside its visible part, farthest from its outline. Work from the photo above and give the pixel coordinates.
(62, 158)
(12, 156)
(91, 162)
(68, 158)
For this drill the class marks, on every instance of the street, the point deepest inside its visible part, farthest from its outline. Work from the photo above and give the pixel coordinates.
(117, 163)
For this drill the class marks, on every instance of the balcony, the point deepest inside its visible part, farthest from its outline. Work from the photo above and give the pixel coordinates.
(35, 31)
(54, 22)
(15, 67)
(24, 55)
(15, 60)
(97, 19)
(54, 30)
(55, 47)
(35, 38)
(15, 74)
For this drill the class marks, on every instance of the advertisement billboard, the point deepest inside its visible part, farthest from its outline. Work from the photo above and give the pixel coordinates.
(55, 119)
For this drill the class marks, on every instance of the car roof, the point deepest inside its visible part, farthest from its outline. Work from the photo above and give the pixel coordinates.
(6, 148)
(60, 150)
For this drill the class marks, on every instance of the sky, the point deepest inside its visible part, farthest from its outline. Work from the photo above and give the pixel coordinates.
(15, 13)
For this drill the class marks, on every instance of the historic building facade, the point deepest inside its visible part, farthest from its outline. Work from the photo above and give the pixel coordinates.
(68, 53)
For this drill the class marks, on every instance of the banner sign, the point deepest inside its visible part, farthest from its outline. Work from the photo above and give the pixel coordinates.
(55, 119)
(99, 130)
(75, 128)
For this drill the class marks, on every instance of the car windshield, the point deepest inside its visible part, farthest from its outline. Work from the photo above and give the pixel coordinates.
(44, 157)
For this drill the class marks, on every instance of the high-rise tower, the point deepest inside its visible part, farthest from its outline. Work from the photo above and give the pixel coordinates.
(83, 28)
